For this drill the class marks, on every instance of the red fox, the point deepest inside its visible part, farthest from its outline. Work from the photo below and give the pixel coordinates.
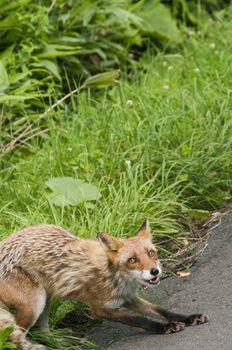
(46, 261)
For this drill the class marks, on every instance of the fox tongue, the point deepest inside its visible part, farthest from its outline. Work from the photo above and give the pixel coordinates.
(154, 280)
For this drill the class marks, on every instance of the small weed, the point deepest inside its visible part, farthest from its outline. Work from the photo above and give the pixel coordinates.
(5, 344)
(61, 339)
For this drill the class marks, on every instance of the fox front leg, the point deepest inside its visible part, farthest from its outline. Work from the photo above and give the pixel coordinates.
(142, 306)
(139, 321)
(188, 320)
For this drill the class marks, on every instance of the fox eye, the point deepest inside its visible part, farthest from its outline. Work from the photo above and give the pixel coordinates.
(132, 261)
(151, 253)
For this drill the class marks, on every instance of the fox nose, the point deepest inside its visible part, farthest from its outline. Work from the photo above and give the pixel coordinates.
(154, 271)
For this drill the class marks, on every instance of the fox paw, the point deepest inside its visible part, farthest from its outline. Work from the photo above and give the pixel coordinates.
(173, 327)
(196, 319)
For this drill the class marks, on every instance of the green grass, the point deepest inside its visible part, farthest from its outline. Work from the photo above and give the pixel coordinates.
(61, 339)
(167, 158)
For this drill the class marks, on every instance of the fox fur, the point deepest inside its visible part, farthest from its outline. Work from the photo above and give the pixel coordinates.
(46, 261)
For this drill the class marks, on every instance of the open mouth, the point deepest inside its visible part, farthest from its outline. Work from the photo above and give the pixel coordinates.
(153, 281)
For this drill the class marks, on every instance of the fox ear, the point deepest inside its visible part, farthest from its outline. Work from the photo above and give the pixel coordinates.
(109, 243)
(145, 230)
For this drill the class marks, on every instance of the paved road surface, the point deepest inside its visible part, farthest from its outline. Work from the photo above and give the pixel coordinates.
(208, 290)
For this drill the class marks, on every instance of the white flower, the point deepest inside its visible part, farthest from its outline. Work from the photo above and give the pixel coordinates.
(212, 46)
(166, 87)
(129, 103)
(191, 33)
(128, 162)
(102, 32)
(197, 70)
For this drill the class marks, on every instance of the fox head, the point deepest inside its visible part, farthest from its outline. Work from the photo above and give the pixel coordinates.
(135, 256)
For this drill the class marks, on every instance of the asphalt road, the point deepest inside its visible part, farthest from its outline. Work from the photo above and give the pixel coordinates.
(207, 290)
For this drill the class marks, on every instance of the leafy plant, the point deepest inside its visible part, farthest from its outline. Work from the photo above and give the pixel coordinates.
(47, 49)
(69, 191)
(61, 339)
(4, 338)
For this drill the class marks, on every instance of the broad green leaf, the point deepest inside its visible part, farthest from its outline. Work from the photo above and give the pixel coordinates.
(88, 15)
(6, 54)
(158, 21)
(14, 78)
(5, 333)
(7, 345)
(9, 22)
(14, 5)
(25, 87)
(51, 53)
(72, 39)
(50, 65)
(4, 80)
(4, 98)
(127, 17)
(102, 79)
(70, 191)
(62, 47)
